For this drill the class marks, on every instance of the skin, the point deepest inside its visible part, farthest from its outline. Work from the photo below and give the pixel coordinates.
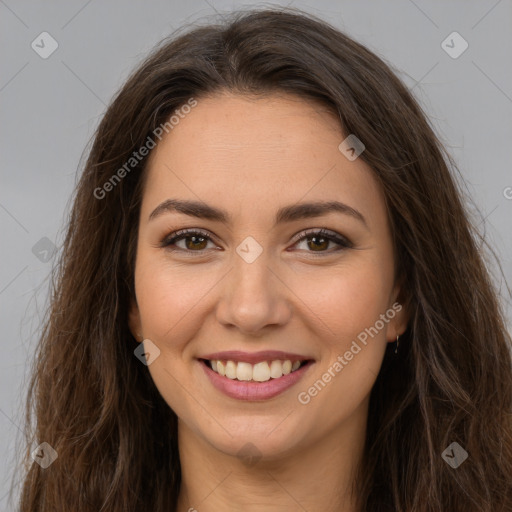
(251, 156)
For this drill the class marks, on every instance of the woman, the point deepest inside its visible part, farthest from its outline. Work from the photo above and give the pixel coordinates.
(270, 296)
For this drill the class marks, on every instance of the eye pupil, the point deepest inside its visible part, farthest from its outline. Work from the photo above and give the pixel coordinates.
(195, 239)
(324, 244)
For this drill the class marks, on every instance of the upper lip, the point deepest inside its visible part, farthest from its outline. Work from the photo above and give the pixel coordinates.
(254, 357)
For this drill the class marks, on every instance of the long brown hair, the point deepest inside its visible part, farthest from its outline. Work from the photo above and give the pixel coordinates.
(451, 380)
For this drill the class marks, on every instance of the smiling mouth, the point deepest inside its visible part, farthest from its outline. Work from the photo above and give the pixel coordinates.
(259, 372)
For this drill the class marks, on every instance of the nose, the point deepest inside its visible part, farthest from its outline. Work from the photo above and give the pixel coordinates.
(254, 296)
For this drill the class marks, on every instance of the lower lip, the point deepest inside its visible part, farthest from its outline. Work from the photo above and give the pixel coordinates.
(253, 391)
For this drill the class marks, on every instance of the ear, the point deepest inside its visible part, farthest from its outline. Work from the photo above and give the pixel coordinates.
(398, 314)
(134, 322)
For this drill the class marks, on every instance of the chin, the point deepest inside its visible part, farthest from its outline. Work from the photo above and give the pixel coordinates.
(252, 437)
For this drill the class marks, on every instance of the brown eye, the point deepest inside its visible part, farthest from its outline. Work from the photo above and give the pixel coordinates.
(194, 241)
(197, 241)
(318, 241)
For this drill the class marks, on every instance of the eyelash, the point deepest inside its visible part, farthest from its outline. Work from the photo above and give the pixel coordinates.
(183, 234)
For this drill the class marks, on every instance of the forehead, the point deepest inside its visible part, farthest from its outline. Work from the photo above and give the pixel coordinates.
(246, 152)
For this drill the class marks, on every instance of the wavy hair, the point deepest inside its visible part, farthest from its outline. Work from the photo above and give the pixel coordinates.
(97, 406)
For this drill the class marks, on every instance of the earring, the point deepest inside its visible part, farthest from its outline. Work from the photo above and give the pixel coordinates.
(396, 348)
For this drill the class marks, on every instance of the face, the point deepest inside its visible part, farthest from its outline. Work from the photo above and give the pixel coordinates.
(260, 282)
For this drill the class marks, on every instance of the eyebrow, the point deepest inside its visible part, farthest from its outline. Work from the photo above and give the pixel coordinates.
(285, 214)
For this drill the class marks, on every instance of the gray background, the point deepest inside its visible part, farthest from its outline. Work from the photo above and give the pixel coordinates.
(50, 108)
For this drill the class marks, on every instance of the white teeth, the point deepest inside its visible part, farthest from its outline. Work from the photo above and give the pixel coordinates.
(243, 371)
(259, 372)
(231, 370)
(276, 369)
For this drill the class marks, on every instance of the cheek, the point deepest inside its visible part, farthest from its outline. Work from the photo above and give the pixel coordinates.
(169, 299)
(350, 302)
(168, 296)
(346, 300)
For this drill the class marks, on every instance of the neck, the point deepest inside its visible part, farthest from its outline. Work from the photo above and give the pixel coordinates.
(318, 477)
